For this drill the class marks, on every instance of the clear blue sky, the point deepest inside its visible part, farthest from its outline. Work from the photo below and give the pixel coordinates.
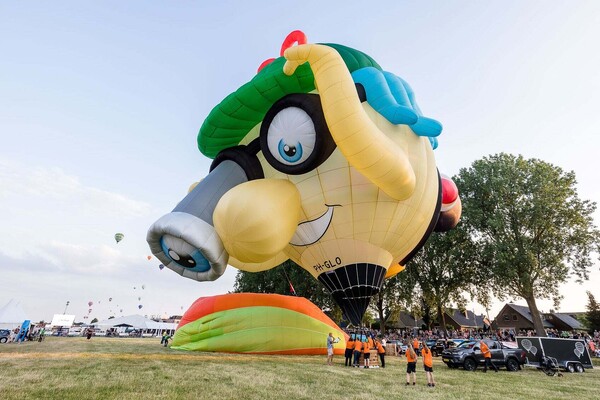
(100, 104)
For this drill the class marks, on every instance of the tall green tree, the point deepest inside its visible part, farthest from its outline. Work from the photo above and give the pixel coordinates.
(444, 270)
(593, 313)
(277, 280)
(395, 295)
(531, 228)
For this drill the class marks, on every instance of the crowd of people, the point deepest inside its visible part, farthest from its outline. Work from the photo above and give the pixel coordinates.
(360, 344)
(503, 335)
(30, 334)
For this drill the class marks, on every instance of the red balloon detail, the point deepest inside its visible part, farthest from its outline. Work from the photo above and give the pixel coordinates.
(449, 191)
(264, 64)
(294, 37)
(149, 257)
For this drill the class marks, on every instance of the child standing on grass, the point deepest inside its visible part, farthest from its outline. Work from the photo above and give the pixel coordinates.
(357, 351)
(367, 353)
(428, 364)
(411, 365)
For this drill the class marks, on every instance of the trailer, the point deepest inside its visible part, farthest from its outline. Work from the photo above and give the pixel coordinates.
(569, 354)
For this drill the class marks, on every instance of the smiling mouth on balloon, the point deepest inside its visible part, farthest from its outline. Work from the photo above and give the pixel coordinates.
(309, 232)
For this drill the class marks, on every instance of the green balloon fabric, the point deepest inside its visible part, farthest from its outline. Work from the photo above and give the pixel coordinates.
(231, 120)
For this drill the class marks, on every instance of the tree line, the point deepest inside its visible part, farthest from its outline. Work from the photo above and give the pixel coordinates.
(523, 232)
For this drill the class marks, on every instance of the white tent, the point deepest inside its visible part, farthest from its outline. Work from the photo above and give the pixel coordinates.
(137, 322)
(12, 315)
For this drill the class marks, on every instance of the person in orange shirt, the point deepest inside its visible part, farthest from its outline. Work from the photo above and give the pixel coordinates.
(371, 342)
(416, 345)
(367, 353)
(357, 350)
(428, 364)
(348, 352)
(487, 356)
(411, 366)
(381, 352)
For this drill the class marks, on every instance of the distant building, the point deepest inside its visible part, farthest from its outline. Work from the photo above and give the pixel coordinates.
(517, 317)
(564, 322)
(406, 321)
(462, 320)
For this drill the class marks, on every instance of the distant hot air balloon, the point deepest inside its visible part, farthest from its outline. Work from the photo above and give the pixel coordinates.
(90, 311)
(143, 287)
(139, 298)
(149, 257)
(119, 237)
(161, 266)
(121, 310)
(110, 299)
(90, 303)
(140, 306)
(85, 317)
(134, 288)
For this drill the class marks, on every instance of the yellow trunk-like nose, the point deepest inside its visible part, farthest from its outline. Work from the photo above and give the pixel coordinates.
(257, 219)
(363, 144)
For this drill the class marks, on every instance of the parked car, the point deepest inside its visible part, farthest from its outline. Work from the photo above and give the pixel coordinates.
(430, 343)
(441, 345)
(4, 335)
(400, 346)
(469, 356)
(76, 331)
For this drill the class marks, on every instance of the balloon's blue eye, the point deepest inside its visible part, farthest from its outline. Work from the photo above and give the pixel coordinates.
(290, 153)
(183, 254)
(291, 136)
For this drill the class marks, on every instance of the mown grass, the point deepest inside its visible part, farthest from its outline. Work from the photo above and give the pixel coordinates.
(111, 368)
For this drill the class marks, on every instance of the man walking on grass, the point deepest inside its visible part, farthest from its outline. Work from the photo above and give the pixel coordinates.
(487, 356)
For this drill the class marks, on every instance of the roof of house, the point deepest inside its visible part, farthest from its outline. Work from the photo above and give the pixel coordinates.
(524, 311)
(470, 320)
(406, 320)
(568, 320)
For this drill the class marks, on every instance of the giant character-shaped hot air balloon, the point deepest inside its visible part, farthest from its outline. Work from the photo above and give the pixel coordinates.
(323, 158)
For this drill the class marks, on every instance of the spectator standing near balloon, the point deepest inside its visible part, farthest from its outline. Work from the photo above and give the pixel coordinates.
(428, 364)
(381, 352)
(367, 353)
(349, 350)
(487, 356)
(330, 342)
(411, 365)
(357, 351)
(416, 345)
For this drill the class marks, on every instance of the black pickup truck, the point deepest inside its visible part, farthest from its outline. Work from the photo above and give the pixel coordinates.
(468, 356)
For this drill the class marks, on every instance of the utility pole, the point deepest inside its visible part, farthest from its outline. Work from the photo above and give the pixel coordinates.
(66, 305)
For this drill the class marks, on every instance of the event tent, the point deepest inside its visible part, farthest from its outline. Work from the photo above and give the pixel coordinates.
(136, 322)
(12, 315)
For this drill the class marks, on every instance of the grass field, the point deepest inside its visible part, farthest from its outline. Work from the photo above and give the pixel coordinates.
(115, 368)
